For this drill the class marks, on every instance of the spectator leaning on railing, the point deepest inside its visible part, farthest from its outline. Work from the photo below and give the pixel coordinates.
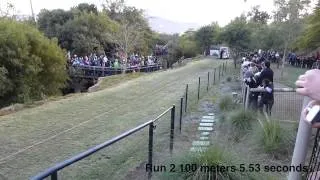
(308, 84)
(253, 78)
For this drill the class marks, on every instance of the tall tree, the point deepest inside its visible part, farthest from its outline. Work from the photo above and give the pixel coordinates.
(188, 45)
(310, 38)
(288, 17)
(237, 36)
(132, 32)
(88, 8)
(87, 33)
(51, 22)
(206, 36)
(258, 16)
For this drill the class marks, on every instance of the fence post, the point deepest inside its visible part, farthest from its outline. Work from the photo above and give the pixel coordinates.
(225, 67)
(150, 148)
(301, 145)
(208, 81)
(222, 68)
(181, 104)
(219, 72)
(186, 102)
(244, 95)
(214, 76)
(54, 176)
(199, 89)
(173, 111)
(247, 97)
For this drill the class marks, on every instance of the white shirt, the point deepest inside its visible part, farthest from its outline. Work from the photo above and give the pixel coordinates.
(105, 59)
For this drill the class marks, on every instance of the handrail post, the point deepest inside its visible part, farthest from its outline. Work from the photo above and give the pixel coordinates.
(54, 176)
(186, 102)
(199, 88)
(150, 149)
(208, 81)
(181, 104)
(173, 111)
(301, 145)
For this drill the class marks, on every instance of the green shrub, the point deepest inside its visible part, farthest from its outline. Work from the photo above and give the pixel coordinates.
(229, 79)
(274, 139)
(242, 119)
(206, 164)
(226, 103)
(31, 65)
(239, 123)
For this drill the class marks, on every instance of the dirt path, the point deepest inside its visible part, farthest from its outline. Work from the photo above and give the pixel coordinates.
(34, 139)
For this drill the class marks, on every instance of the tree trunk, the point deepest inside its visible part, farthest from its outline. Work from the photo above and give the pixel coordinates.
(283, 60)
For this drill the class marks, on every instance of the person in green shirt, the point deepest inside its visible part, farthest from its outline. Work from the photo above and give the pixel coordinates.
(116, 64)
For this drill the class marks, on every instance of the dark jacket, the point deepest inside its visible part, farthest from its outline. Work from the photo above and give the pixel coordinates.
(252, 83)
(267, 97)
(266, 74)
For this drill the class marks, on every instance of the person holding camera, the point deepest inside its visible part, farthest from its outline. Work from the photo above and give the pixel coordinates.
(308, 84)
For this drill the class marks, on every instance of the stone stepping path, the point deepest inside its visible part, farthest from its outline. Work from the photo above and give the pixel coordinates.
(207, 117)
(205, 128)
(198, 149)
(207, 121)
(206, 124)
(200, 143)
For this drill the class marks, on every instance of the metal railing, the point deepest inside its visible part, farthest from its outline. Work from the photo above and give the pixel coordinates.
(98, 71)
(53, 171)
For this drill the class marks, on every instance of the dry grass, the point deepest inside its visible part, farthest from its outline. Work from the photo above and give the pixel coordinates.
(95, 117)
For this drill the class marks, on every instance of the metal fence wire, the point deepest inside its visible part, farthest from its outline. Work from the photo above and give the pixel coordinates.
(314, 162)
(286, 106)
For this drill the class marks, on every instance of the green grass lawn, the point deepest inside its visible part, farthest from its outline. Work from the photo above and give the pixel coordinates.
(37, 138)
(290, 75)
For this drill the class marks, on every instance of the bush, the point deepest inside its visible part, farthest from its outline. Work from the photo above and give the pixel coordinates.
(31, 65)
(239, 123)
(226, 103)
(229, 79)
(206, 164)
(274, 139)
(242, 119)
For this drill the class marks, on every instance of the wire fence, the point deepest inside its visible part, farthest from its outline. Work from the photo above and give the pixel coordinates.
(286, 106)
(287, 103)
(132, 154)
(303, 154)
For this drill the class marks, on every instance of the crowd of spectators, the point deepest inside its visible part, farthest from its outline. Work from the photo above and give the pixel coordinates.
(307, 61)
(256, 72)
(132, 61)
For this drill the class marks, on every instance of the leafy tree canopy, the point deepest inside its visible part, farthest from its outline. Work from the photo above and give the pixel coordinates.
(31, 66)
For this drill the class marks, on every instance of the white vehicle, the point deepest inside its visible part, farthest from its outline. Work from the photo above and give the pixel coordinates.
(226, 54)
(214, 52)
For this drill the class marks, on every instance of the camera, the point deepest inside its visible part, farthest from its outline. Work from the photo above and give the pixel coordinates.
(313, 115)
